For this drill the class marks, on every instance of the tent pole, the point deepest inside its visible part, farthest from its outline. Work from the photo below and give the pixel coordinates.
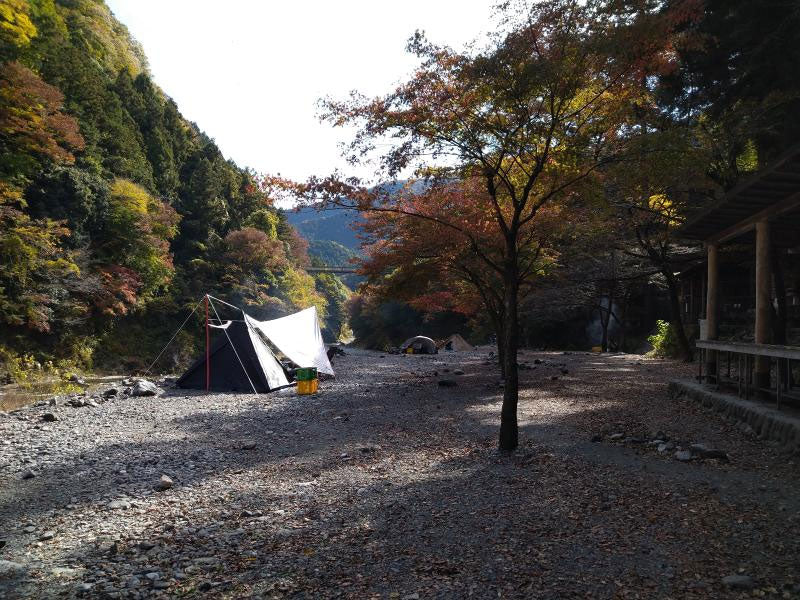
(208, 358)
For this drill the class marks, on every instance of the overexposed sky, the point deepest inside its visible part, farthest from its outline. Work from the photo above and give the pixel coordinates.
(249, 72)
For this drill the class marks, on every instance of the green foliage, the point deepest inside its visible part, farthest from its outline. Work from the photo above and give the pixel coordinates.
(115, 210)
(336, 296)
(664, 341)
(264, 220)
(16, 28)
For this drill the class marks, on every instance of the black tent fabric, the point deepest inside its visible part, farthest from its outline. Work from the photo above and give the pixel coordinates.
(227, 374)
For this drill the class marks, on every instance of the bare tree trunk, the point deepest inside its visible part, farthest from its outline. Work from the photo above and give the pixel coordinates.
(675, 317)
(509, 430)
(604, 320)
(501, 346)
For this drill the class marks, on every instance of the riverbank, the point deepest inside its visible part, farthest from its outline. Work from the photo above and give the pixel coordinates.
(388, 484)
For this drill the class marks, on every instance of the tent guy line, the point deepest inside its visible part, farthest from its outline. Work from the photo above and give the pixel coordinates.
(189, 316)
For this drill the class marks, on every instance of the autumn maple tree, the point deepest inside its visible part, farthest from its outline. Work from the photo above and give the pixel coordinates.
(532, 117)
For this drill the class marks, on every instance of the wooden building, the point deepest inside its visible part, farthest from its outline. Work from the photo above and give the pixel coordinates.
(752, 243)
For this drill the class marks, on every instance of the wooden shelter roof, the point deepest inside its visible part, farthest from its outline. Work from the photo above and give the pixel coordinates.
(771, 192)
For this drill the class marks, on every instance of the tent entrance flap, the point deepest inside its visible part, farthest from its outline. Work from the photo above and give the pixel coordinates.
(298, 337)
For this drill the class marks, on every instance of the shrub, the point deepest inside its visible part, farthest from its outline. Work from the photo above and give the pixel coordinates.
(664, 341)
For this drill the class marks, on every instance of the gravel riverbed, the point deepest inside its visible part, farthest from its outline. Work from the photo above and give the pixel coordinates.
(388, 484)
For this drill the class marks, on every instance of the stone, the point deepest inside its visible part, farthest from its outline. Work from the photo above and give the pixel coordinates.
(49, 417)
(47, 535)
(683, 455)
(84, 587)
(715, 453)
(10, 569)
(133, 582)
(110, 392)
(29, 529)
(119, 504)
(153, 576)
(738, 582)
(63, 571)
(447, 383)
(458, 372)
(142, 387)
(616, 436)
(164, 483)
(249, 445)
(28, 474)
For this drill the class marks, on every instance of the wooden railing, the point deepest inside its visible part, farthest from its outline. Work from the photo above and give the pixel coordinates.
(780, 356)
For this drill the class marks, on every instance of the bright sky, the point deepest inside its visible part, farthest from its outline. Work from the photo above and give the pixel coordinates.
(249, 72)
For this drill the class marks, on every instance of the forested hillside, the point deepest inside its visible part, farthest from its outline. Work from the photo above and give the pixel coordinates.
(116, 213)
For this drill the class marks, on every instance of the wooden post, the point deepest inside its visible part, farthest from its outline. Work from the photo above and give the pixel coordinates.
(712, 306)
(763, 299)
(208, 357)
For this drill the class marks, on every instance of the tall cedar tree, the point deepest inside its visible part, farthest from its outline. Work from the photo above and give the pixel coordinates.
(535, 116)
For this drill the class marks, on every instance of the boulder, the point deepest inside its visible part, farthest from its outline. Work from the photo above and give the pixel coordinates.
(683, 455)
(49, 417)
(142, 387)
(164, 483)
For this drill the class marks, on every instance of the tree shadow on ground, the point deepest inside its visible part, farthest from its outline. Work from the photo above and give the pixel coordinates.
(422, 502)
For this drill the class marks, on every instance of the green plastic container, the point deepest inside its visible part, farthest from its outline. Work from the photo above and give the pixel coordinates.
(306, 374)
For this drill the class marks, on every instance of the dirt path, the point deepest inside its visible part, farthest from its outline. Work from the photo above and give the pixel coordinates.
(388, 485)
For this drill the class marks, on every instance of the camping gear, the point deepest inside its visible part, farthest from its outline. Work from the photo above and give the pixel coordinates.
(456, 343)
(419, 345)
(307, 382)
(242, 360)
(305, 388)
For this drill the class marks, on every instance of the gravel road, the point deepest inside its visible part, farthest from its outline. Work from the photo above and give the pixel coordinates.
(388, 484)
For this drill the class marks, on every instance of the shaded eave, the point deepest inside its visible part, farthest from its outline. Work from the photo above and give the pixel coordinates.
(771, 192)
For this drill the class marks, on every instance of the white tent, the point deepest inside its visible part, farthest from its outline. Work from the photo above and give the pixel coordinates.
(298, 337)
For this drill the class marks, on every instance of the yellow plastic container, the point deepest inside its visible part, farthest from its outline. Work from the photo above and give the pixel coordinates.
(307, 387)
(409, 350)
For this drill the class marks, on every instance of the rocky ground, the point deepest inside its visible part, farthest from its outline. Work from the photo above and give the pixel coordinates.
(388, 484)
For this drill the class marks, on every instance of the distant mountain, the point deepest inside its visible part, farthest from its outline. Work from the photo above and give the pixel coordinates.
(326, 225)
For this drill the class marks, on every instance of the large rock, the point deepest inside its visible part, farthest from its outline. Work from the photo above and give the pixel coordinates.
(142, 387)
(738, 582)
(164, 483)
(9, 569)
